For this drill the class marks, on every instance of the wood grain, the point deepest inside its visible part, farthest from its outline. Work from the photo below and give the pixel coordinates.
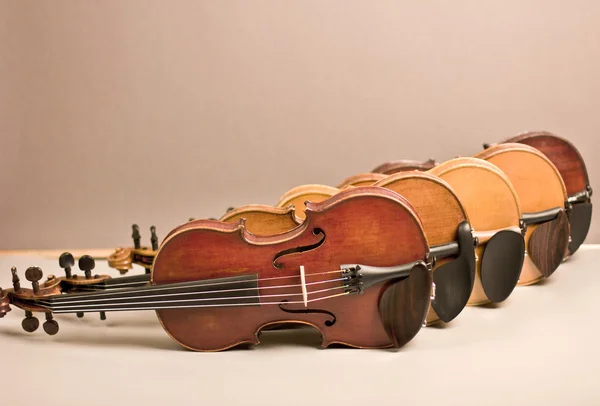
(562, 153)
(438, 208)
(262, 219)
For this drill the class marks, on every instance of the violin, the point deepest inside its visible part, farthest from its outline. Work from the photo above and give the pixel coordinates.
(357, 269)
(452, 244)
(569, 162)
(544, 202)
(494, 213)
(404, 165)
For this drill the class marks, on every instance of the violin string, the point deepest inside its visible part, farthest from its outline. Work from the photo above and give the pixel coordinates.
(82, 307)
(96, 298)
(172, 306)
(193, 284)
(115, 285)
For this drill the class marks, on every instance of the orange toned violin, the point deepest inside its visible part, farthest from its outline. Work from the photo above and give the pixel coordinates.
(493, 209)
(543, 199)
(357, 269)
(573, 171)
(446, 225)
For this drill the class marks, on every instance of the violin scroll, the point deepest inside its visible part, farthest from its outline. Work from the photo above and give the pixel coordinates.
(123, 258)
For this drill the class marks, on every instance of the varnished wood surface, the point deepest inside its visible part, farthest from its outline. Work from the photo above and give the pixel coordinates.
(262, 219)
(563, 154)
(436, 203)
(297, 196)
(362, 225)
(489, 199)
(537, 183)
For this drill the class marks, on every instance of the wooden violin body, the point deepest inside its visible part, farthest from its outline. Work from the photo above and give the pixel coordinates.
(368, 226)
(540, 189)
(494, 213)
(569, 162)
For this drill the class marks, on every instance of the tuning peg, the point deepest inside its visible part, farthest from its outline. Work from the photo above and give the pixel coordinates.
(229, 209)
(153, 238)
(102, 315)
(86, 264)
(30, 323)
(79, 314)
(33, 274)
(136, 236)
(50, 325)
(66, 261)
(15, 279)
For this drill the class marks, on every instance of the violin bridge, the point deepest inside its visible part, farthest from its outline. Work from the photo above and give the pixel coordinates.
(303, 284)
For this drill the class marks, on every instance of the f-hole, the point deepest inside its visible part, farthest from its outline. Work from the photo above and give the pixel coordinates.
(328, 323)
(316, 231)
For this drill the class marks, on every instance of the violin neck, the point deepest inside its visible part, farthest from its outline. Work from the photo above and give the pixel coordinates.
(231, 291)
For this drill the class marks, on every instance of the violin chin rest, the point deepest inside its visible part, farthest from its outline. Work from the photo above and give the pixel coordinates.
(548, 244)
(580, 220)
(404, 304)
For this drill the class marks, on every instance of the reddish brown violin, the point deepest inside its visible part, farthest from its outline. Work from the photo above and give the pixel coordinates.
(569, 162)
(356, 269)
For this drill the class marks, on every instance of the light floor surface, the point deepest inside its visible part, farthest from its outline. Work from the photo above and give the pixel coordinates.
(540, 347)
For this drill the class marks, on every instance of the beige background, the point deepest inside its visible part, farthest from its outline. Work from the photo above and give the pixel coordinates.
(117, 112)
